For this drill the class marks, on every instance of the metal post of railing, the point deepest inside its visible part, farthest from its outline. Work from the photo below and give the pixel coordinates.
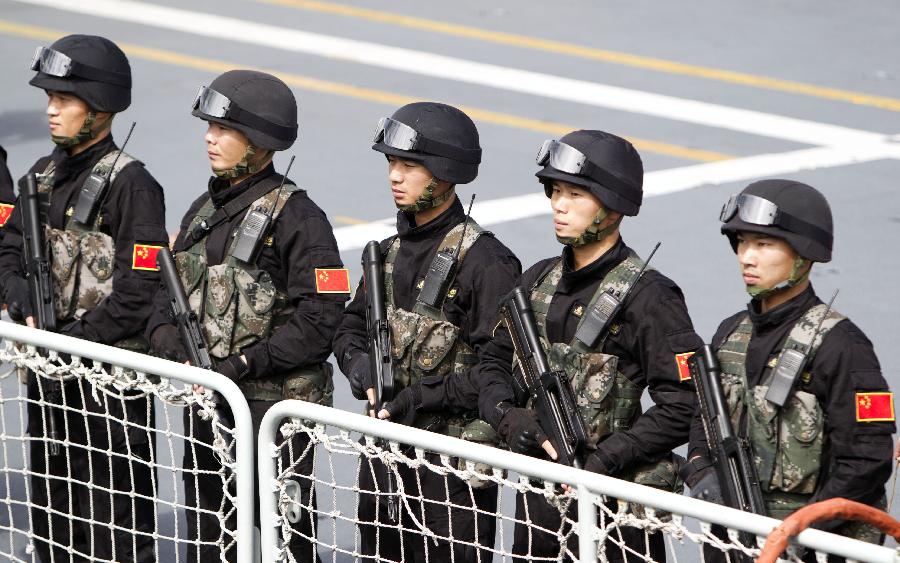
(587, 522)
(142, 363)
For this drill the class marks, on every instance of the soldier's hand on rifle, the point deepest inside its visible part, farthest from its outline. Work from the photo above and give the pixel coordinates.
(18, 300)
(233, 367)
(704, 485)
(360, 378)
(523, 433)
(166, 342)
(403, 405)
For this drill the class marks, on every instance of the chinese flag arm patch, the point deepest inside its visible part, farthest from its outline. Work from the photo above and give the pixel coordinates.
(144, 257)
(684, 371)
(875, 407)
(332, 280)
(6, 210)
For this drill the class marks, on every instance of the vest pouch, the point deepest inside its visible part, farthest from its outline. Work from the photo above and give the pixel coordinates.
(761, 428)
(592, 376)
(191, 268)
(65, 250)
(95, 270)
(219, 317)
(255, 301)
(662, 475)
(313, 385)
(799, 453)
(420, 346)
(479, 432)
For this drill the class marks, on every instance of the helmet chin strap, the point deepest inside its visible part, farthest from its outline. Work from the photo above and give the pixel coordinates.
(593, 232)
(794, 280)
(243, 167)
(428, 200)
(86, 133)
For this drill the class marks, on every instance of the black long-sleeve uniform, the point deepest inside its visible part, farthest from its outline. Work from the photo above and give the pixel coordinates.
(133, 213)
(485, 276)
(857, 455)
(7, 196)
(653, 326)
(302, 240)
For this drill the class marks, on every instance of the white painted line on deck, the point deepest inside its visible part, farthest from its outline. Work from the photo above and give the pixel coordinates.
(660, 182)
(461, 70)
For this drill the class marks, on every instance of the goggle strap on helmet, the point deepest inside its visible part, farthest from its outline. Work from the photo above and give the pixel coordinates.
(568, 159)
(408, 139)
(757, 210)
(217, 105)
(61, 65)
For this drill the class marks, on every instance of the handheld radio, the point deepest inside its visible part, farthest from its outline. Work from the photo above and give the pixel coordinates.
(442, 270)
(94, 189)
(255, 226)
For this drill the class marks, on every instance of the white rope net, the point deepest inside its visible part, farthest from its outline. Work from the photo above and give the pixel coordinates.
(101, 463)
(347, 498)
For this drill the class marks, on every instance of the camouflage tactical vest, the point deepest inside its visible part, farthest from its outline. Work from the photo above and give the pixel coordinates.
(82, 257)
(607, 400)
(239, 305)
(787, 443)
(423, 342)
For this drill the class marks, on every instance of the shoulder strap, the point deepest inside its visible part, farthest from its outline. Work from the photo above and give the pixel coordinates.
(806, 332)
(232, 209)
(390, 256)
(542, 291)
(112, 165)
(618, 281)
(732, 350)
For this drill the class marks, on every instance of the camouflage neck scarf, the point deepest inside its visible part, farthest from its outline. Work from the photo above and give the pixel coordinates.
(427, 200)
(593, 232)
(84, 134)
(243, 167)
(795, 278)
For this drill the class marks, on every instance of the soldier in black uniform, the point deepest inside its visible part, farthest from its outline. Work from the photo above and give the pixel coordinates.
(102, 295)
(270, 313)
(593, 180)
(430, 148)
(7, 196)
(831, 437)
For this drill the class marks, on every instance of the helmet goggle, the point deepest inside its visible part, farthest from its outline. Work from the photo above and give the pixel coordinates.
(54, 63)
(220, 106)
(756, 210)
(402, 137)
(563, 157)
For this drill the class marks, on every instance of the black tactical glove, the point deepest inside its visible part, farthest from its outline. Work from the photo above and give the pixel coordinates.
(403, 407)
(595, 464)
(522, 432)
(360, 377)
(166, 343)
(233, 367)
(17, 298)
(704, 485)
(74, 329)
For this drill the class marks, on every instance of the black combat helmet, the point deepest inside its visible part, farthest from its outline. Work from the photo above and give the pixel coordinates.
(257, 104)
(439, 136)
(607, 165)
(786, 209)
(90, 67)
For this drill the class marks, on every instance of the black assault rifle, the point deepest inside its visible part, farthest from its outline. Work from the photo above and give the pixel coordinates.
(731, 455)
(379, 331)
(185, 318)
(549, 390)
(40, 288)
(379, 349)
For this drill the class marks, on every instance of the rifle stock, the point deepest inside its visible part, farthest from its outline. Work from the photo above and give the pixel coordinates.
(550, 391)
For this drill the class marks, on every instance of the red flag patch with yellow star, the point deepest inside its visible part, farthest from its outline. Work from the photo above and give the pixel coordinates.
(5, 211)
(875, 407)
(332, 280)
(684, 371)
(144, 257)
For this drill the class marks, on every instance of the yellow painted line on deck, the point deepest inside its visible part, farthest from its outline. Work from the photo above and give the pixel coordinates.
(348, 220)
(613, 57)
(356, 92)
